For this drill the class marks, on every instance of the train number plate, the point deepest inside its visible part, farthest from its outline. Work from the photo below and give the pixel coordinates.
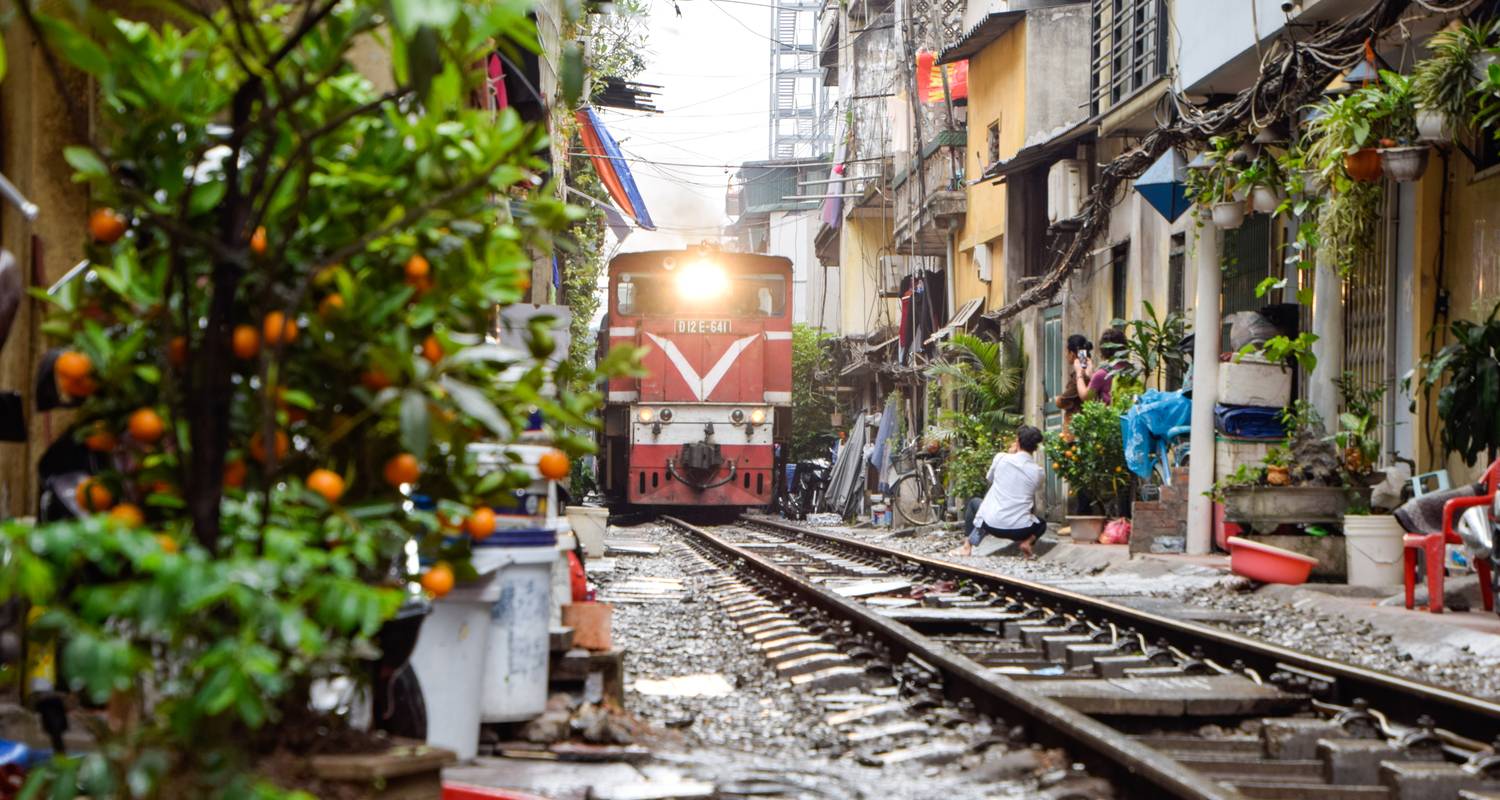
(703, 326)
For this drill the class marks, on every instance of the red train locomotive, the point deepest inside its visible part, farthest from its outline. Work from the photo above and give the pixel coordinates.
(701, 427)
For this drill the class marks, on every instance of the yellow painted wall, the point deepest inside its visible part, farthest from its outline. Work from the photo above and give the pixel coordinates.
(1471, 273)
(864, 241)
(997, 91)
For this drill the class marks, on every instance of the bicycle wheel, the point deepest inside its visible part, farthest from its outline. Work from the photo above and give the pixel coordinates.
(912, 500)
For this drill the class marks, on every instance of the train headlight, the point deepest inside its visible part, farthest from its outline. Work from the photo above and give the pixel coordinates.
(758, 416)
(737, 416)
(644, 415)
(702, 280)
(665, 415)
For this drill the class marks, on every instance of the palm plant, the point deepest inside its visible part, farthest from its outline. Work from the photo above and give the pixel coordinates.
(986, 378)
(1152, 346)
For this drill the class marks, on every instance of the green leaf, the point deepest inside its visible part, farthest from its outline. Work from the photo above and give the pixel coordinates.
(78, 49)
(148, 373)
(205, 197)
(411, 15)
(473, 402)
(87, 163)
(415, 422)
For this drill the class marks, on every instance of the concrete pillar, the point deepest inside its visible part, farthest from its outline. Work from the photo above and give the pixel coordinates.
(1328, 326)
(1206, 325)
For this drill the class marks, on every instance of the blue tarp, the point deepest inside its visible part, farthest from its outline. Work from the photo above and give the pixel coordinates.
(1249, 422)
(1154, 413)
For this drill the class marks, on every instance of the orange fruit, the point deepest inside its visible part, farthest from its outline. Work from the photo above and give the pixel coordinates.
(177, 351)
(375, 380)
(417, 269)
(279, 330)
(167, 543)
(100, 440)
(246, 342)
(326, 482)
(331, 305)
(79, 387)
(432, 349)
(146, 427)
(258, 241)
(93, 496)
(106, 225)
(524, 283)
(163, 487)
(439, 579)
(480, 524)
(73, 365)
(258, 446)
(403, 468)
(234, 473)
(127, 515)
(554, 465)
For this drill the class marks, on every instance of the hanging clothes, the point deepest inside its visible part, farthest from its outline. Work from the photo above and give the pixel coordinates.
(846, 480)
(906, 320)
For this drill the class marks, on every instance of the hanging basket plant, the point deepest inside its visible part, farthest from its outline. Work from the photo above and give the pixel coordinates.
(1214, 182)
(1443, 85)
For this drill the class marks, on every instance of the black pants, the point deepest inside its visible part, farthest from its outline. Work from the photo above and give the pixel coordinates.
(976, 530)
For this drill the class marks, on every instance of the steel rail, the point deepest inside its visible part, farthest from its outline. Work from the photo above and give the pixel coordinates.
(1403, 698)
(1132, 768)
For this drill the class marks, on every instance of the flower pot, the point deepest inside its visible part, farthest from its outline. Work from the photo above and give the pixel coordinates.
(1086, 529)
(1265, 508)
(1279, 476)
(1404, 164)
(1264, 199)
(1363, 165)
(1229, 215)
(1432, 126)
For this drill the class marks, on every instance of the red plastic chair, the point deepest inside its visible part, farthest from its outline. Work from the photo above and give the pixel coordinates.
(1435, 545)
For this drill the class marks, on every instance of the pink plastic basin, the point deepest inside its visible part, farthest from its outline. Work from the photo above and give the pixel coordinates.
(1267, 564)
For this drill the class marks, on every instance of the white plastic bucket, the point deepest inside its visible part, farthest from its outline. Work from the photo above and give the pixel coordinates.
(589, 525)
(1372, 546)
(514, 684)
(450, 662)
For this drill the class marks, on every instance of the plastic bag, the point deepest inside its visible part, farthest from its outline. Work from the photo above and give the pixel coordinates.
(1249, 327)
(1116, 531)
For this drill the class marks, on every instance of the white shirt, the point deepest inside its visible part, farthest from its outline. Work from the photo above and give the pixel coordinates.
(1014, 478)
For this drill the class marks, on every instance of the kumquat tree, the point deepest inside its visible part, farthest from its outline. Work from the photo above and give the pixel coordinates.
(283, 336)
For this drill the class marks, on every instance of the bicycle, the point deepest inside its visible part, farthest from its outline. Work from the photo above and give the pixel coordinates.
(918, 496)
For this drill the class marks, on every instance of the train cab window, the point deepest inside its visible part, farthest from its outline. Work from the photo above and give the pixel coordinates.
(658, 295)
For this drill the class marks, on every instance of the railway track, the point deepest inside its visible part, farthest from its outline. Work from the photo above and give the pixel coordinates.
(1154, 706)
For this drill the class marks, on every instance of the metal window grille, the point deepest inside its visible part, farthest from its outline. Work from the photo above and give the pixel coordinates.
(1052, 419)
(1176, 295)
(1369, 311)
(1247, 262)
(1129, 49)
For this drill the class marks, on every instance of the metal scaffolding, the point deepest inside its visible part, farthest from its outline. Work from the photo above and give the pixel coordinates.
(800, 103)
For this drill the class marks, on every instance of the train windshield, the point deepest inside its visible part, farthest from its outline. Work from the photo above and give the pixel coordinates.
(666, 295)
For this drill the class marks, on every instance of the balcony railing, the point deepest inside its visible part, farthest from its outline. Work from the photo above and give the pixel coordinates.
(930, 200)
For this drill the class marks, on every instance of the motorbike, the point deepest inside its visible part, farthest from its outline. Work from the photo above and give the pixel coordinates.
(804, 491)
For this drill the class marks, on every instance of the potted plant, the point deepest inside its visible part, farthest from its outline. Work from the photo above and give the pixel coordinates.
(1443, 84)
(1372, 542)
(1343, 139)
(1278, 466)
(1213, 185)
(1393, 109)
(1091, 458)
(1262, 179)
(282, 343)
(1464, 374)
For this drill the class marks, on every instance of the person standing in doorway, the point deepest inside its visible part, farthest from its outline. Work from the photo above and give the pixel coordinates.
(1076, 352)
(1009, 507)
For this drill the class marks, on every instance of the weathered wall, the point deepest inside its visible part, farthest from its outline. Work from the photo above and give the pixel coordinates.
(862, 310)
(1057, 45)
(997, 94)
(815, 290)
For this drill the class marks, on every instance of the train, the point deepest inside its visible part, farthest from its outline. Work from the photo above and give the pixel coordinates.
(707, 423)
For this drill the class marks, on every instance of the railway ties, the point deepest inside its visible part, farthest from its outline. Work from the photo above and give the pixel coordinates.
(1174, 709)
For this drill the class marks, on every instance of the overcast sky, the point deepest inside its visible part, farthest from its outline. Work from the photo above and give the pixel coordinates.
(713, 64)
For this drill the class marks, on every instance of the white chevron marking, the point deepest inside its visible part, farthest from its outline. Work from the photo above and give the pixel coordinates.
(704, 386)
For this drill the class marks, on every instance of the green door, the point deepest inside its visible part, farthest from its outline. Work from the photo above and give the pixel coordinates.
(1052, 419)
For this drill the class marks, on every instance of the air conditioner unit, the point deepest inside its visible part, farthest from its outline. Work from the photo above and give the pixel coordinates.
(1065, 188)
(982, 261)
